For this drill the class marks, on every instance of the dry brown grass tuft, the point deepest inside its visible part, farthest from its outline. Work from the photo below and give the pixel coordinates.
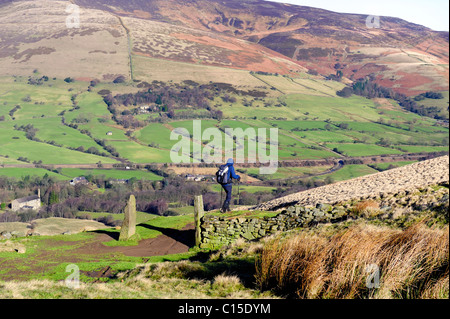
(227, 280)
(412, 263)
(365, 208)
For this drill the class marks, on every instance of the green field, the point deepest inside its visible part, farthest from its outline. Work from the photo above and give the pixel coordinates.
(15, 145)
(362, 149)
(70, 173)
(442, 104)
(141, 217)
(310, 120)
(155, 133)
(7, 160)
(139, 153)
(23, 172)
(245, 188)
(420, 149)
(111, 173)
(291, 172)
(349, 172)
(51, 129)
(52, 268)
(384, 166)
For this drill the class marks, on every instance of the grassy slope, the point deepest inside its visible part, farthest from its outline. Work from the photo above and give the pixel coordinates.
(311, 105)
(48, 154)
(442, 104)
(23, 172)
(49, 261)
(249, 270)
(349, 172)
(110, 173)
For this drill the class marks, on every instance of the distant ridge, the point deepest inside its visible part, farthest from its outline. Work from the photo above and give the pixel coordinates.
(245, 35)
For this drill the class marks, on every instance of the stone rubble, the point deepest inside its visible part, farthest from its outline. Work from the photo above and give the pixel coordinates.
(417, 175)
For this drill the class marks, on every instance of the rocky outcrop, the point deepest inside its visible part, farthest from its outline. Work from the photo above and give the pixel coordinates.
(379, 185)
(48, 227)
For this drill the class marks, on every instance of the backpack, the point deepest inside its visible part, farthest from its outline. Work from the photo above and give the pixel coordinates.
(222, 175)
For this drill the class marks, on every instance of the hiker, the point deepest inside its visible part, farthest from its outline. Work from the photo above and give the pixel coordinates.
(224, 177)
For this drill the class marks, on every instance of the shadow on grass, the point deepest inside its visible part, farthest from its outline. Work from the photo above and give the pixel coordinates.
(113, 234)
(244, 269)
(184, 236)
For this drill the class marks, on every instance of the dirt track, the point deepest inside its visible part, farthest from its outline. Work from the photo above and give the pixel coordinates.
(172, 241)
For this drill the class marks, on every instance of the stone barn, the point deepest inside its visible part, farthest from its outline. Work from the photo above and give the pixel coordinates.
(30, 202)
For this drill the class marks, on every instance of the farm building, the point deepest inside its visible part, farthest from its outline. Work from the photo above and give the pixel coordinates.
(195, 178)
(79, 180)
(119, 181)
(144, 109)
(31, 202)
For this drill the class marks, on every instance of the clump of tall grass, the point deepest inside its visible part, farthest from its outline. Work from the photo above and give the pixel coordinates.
(410, 263)
(367, 208)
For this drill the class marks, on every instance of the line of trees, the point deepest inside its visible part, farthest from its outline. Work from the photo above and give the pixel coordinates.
(369, 89)
(429, 95)
(61, 199)
(167, 98)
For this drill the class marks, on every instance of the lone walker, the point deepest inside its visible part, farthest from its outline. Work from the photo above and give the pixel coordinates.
(224, 176)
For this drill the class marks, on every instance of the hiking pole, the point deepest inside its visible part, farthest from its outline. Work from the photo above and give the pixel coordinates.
(239, 185)
(220, 205)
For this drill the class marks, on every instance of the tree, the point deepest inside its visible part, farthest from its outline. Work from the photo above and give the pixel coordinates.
(158, 207)
(384, 142)
(94, 82)
(119, 79)
(53, 198)
(329, 180)
(345, 92)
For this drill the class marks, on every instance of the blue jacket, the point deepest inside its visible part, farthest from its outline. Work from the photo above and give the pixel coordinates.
(231, 173)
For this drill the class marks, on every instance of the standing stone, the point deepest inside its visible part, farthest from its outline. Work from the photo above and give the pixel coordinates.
(198, 215)
(129, 221)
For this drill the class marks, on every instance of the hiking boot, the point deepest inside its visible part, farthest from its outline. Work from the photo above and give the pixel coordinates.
(225, 209)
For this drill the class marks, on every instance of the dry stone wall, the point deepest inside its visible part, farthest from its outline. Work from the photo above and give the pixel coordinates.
(217, 231)
(396, 192)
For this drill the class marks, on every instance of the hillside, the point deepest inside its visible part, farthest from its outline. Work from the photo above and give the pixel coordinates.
(114, 37)
(409, 223)
(112, 91)
(107, 44)
(361, 116)
(374, 186)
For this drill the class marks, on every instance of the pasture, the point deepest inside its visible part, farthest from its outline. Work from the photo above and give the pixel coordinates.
(312, 124)
(348, 172)
(111, 173)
